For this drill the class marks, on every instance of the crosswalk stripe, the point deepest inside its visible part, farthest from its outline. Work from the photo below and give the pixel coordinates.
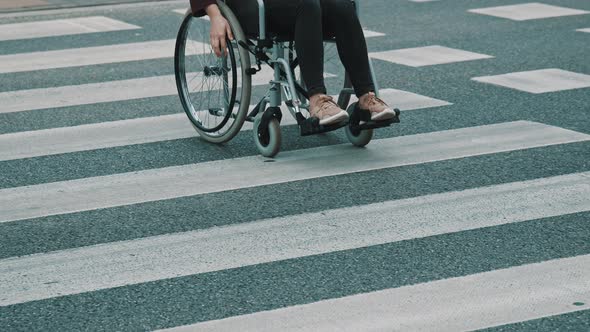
(371, 34)
(71, 26)
(195, 179)
(102, 135)
(466, 303)
(78, 270)
(144, 130)
(407, 101)
(427, 56)
(85, 94)
(94, 136)
(182, 11)
(98, 7)
(95, 55)
(103, 92)
(539, 81)
(528, 11)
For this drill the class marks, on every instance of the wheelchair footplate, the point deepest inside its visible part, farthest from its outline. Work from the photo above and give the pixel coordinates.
(361, 119)
(312, 126)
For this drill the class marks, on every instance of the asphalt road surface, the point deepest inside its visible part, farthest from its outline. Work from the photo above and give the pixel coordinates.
(472, 213)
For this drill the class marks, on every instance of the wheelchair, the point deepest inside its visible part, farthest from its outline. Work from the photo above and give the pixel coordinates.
(216, 92)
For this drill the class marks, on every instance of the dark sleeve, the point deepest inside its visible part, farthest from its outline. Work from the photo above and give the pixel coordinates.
(198, 6)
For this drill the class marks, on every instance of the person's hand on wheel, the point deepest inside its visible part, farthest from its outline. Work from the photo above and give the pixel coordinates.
(220, 29)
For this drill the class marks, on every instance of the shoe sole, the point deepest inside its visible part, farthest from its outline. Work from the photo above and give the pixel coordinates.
(382, 116)
(336, 118)
(385, 115)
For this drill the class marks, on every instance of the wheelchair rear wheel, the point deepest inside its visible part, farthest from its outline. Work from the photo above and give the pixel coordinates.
(214, 91)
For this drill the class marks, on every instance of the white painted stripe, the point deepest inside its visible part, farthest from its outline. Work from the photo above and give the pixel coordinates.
(91, 9)
(78, 270)
(94, 136)
(188, 180)
(539, 81)
(71, 26)
(12, 63)
(103, 92)
(182, 11)
(144, 130)
(407, 101)
(371, 34)
(466, 303)
(85, 94)
(54, 141)
(528, 11)
(427, 56)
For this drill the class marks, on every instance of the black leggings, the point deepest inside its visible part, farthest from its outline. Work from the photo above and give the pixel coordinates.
(307, 22)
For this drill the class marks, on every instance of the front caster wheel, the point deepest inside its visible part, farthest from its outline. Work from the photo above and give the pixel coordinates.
(361, 138)
(355, 135)
(267, 140)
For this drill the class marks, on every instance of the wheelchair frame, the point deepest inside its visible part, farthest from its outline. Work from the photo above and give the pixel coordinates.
(283, 77)
(267, 114)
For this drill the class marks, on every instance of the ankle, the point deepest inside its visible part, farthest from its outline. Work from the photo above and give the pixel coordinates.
(367, 95)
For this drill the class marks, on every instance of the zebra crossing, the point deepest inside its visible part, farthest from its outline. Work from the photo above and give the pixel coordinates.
(290, 237)
(463, 217)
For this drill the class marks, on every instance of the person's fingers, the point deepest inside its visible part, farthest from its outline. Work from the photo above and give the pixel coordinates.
(230, 35)
(223, 46)
(215, 45)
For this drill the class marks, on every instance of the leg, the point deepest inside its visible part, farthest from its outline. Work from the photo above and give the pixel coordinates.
(302, 20)
(340, 20)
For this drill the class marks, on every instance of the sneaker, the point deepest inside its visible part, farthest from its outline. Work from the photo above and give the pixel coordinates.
(327, 111)
(378, 108)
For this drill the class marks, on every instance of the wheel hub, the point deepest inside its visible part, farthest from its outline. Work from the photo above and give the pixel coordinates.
(213, 70)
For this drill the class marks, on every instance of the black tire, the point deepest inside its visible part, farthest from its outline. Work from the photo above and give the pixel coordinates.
(360, 139)
(269, 144)
(218, 103)
(357, 137)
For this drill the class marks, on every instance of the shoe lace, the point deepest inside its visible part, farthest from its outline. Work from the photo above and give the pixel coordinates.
(325, 102)
(374, 100)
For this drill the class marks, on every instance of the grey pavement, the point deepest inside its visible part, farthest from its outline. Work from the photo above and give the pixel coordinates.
(488, 241)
